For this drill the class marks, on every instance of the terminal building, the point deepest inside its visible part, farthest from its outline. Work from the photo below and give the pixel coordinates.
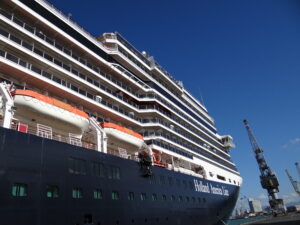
(255, 205)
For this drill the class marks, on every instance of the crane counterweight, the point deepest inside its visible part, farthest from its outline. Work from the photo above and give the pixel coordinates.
(268, 179)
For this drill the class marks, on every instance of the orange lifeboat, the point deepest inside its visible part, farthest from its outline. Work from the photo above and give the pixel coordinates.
(33, 106)
(123, 134)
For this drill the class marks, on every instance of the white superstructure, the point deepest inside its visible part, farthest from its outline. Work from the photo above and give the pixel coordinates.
(112, 82)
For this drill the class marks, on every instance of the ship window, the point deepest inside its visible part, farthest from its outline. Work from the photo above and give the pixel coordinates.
(67, 51)
(35, 69)
(162, 179)
(98, 194)
(154, 197)
(52, 191)
(114, 173)
(131, 196)
(15, 39)
(191, 185)
(164, 197)
(143, 196)
(178, 182)
(77, 193)
(56, 79)
(66, 67)
(74, 88)
(89, 95)
(187, 198)
(50, 58)
(37, 51)
(46, 74)
(193, 199)
(58, 46)
(199, 200)
(221, 177)
(152, 179)
(77, 166)
(12, 58)
(170, 180)
(17, 21)
(180, 199)
(98, 169)
(50, 41)
(29, 28)
(83, 92)
(173, 198)
(75, 56)
(19, 190)
(57, 62)
(82, 76)
(4, 33)
(115, 195)
(6, 14)
(75, 72)
(184, 184)
(22, 63)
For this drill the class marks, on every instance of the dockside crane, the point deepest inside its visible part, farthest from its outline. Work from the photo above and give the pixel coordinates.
(268, 179)
(295, 184)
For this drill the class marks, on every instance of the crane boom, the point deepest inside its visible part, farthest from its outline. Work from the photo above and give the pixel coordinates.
(298, 168)
(293, 182)
(268, 179)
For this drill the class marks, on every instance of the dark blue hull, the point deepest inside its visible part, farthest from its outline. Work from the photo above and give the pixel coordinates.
(168, 197)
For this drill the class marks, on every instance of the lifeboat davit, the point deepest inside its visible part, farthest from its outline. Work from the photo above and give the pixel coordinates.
(38, 108)
(123, 134)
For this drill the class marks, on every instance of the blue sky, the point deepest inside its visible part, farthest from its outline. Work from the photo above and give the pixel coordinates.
(241, 57)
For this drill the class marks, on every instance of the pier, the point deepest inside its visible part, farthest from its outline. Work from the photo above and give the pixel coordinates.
(290, 219)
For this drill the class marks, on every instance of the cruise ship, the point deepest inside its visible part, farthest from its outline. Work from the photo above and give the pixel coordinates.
(94, 131)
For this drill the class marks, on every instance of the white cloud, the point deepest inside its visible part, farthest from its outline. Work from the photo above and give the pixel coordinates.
(291, 142)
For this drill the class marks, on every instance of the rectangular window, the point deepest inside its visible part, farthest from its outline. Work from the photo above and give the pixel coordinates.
(29, 28)
(170, 180)
(56, 79)
(77, 166)
(115, 173)
(221, 177)
(74, 88)
(57, 62)
(178, 182)
(12, 58)
(15, 39)
(98, 194)
(115, 195)
(162, 180)
(98, 169)
(35, 69)
(143, 196)
(50, 58)
(19, 190)
(17, 21)
(37, 51)
(77, 193)
(154, 197)
(180, 198)
(26, 45)
(131, 196)
(52, 191)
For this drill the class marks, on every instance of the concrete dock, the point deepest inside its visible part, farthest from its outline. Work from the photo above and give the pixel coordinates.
(290, 219)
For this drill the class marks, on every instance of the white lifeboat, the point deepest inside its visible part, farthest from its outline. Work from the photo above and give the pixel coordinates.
(38, 108)
(123, 134)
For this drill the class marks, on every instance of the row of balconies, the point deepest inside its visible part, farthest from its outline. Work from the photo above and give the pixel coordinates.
(142, 67)
(81, 60)
(87, 64)
(30, 47)
(109, 105)
(83, 92)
